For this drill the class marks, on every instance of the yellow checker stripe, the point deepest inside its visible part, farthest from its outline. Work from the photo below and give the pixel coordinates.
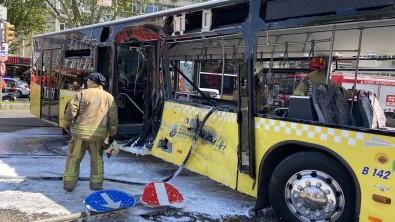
(310, 131)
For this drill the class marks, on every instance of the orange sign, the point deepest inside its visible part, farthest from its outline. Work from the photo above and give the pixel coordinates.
(2, 68)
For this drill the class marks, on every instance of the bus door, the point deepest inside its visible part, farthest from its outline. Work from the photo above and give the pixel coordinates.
(242, 118)
(49, 85)
(134, 67)
(103, 59)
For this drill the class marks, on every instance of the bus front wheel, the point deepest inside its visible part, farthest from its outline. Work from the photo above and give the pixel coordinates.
(310, 186)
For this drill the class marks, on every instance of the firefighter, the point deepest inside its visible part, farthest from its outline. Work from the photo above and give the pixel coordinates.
(317, 75)
(90, 117)
(260, 94)
(260, 86)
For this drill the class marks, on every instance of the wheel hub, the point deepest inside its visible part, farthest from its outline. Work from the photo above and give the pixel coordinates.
(313, 195)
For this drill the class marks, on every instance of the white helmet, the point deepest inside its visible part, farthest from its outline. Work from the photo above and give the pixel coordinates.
(111, 149)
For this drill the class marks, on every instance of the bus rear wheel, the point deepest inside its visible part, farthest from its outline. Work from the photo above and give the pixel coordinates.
(310, 186)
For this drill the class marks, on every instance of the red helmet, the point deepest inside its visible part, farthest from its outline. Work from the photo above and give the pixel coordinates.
(317, 64)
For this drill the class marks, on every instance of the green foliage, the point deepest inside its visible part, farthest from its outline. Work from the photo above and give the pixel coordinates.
(29, 18)
(75, 13)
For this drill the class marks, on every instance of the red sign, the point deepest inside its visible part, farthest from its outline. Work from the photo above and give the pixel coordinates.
(157, 194)
(19, 60)
(380, 82)
(390, 100)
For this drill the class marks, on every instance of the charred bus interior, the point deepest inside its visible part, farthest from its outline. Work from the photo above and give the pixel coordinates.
(212, 52)
(217, 66)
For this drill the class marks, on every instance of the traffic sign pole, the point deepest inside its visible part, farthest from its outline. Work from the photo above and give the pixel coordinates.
(3, 17)
(1, 32)
(1, 86)
(2, 73)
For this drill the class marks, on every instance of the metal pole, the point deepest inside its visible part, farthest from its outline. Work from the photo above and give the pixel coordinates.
(223, 68)
(358, 55)
(357, 66)
(328, 71)
(1, 45)
(1, 86)
(1, 32)
(271, 59)
(194, 69)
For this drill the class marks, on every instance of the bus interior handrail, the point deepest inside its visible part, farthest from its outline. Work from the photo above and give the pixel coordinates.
(131, 100)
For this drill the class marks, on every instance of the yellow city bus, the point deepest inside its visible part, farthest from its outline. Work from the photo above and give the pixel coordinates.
(191, 81)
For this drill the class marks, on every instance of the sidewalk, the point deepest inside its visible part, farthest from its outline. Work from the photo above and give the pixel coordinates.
(14, 106)
(14, 120)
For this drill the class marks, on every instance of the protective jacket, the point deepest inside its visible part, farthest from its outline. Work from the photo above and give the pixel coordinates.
(261, 105)
(305, 87)
(92, 114)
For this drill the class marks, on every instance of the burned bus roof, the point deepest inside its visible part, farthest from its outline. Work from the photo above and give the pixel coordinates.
(188, 8)
(273, 16)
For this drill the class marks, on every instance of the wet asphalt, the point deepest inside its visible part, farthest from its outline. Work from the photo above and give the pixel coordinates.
(23, 134)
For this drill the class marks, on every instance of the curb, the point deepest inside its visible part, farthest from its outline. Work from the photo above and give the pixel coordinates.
(16, 106)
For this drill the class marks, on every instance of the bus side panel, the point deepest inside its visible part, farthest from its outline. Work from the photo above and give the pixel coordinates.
(65, 96)
(215, 153)
(361, 151)
(246, 185)
(35, 92)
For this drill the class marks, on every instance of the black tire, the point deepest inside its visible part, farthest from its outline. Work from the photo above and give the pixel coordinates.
(306, 173)
(18, 93)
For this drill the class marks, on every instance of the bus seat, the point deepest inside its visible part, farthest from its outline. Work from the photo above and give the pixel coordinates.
(301, 107)
(362, 110)
(342, 107)
(324, 105)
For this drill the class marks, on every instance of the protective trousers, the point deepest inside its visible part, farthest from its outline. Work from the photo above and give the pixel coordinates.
(76, 151)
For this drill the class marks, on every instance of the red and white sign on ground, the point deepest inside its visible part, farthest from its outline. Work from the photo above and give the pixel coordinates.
(158, 194)
(2, 68)
(390, 100)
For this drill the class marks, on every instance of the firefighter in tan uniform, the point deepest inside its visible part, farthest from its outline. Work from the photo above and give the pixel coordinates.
(317, 75)
(261, 105)
(90, 117)
(260, 94)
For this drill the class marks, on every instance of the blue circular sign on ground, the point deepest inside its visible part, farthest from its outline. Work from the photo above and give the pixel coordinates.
(107, 200)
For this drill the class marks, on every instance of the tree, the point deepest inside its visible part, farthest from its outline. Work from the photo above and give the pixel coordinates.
(29, 19)
(75, 13)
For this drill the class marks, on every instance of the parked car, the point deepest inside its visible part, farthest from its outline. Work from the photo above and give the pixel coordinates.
(8, 97)
(18, 87)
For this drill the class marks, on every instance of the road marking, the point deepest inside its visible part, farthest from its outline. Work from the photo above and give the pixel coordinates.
(110, 202)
